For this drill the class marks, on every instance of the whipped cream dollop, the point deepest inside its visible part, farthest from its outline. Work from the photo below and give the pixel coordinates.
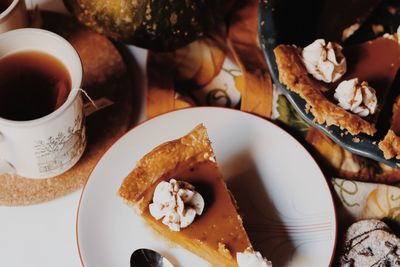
(357, 97)
(324, 61)
(250, 258)
(177, 202)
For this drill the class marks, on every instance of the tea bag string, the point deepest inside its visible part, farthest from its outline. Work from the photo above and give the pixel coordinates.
(87, 96)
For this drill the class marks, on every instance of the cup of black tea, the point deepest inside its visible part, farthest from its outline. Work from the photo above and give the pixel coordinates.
(42, 124)
(13, 15)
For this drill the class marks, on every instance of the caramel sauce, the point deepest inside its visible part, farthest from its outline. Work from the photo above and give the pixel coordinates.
(376, 62)
(219, 222)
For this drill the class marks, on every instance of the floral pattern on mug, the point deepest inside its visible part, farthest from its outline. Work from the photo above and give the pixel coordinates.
(59, 151)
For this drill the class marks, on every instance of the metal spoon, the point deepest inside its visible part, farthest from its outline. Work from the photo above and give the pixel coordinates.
(148, 258)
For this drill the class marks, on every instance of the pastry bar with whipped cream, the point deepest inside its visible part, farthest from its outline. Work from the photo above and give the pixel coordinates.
(179, 191)
(346, 87)
(390, 145)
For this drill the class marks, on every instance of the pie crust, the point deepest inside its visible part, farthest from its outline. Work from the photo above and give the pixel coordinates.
(294, 75)
(191, 149)
(390, 145)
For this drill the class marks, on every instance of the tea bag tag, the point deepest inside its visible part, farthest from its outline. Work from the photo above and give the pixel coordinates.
(94, 105)
(98, 104)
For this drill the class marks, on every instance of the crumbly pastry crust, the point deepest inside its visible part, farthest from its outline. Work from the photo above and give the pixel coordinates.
(193, 148)
(390, 145)
(294, 75)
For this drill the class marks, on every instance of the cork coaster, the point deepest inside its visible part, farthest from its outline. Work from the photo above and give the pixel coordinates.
(105, 76)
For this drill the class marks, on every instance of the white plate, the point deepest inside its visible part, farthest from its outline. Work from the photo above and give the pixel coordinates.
(287, 205)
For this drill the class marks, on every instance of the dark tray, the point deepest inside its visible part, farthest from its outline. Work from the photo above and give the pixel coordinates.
(295, 22)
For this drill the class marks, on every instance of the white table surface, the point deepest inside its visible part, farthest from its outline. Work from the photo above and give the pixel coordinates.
(44, 235)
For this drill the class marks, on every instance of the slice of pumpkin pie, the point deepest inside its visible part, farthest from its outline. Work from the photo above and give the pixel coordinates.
(346, 87)
(179, 191)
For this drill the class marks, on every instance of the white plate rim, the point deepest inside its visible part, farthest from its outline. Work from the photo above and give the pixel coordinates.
(325, 182)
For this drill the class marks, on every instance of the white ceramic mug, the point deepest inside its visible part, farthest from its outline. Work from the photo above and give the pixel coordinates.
(50, 145)
(15, 16)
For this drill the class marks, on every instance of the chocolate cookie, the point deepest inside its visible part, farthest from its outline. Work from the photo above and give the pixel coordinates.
(370, 243)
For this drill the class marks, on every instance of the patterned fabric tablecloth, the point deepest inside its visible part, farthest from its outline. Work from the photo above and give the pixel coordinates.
(228, 69)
